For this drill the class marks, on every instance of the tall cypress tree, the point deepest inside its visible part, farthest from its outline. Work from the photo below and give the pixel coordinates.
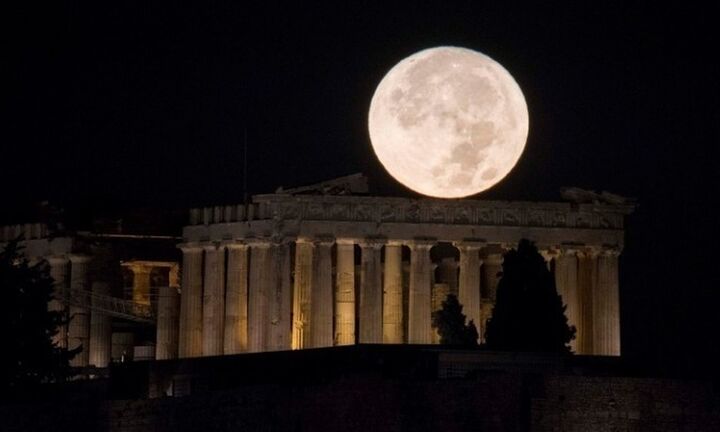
(529, 314)
(29, 355)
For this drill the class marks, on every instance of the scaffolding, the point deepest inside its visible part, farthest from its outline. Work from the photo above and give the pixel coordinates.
(113, 306)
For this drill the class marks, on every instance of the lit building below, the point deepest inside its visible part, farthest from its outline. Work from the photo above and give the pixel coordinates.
(320, 266)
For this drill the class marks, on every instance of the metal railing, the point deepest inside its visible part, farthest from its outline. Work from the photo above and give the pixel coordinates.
(110, 305)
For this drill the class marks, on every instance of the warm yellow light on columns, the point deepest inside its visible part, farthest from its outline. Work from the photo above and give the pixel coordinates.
(469, 283)
(419, 301)
(191, 308)
(371, 315)
(392, 294)
(345, 293)
(302, 293)
(236, 298)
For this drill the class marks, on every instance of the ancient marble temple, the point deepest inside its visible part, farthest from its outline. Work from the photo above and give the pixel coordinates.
(295, 271)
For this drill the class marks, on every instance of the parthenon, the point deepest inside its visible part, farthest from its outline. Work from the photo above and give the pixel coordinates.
(320, 267)
(310, 271)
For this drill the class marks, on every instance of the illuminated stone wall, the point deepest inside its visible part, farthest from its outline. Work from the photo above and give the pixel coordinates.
(299, 249)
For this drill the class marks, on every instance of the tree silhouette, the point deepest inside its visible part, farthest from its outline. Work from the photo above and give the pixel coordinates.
(450, 324)
(29, 354)
(528, 313)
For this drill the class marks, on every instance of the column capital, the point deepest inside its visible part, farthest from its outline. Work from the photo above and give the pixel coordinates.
(258, 242)
(493, 258)
(346, 241)
(372, 242)
(190, 247)
(568, 249)
(395, 242)
(610, 250)
(55, 260)
(137, 268)
(324, 240)
(422, 243)
(470, 244)
(305, 240)
(588, 252)
(213, 247)
(547, 254)
(79, 258)
(235, 245)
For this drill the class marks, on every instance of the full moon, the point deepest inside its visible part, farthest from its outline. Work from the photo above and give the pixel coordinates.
(448, 122)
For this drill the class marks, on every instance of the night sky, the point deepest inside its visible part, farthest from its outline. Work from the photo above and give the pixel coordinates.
(117, 106)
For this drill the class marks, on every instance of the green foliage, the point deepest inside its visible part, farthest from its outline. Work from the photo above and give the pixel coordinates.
(450, 324)
(29, 355)
(528, 313)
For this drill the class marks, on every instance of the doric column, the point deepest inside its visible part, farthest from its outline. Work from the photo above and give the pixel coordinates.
(371, 314)
(469, 284)
(258, 293)
(58, 271)
(302, 293)
(191, 308)
(213, 301)
(100, 329)
(321, 329)
(566, 281)
(606, 305)
(280, 298)
(345, 293)
(419, 302)
(141, 283)
(236, 300)
(439, 293)
(79, 326)
(492, 265)
(587, 281)
(166, 346)
(393, 294)
(547, 255)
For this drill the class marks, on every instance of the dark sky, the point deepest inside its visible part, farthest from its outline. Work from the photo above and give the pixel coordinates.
(113, 106)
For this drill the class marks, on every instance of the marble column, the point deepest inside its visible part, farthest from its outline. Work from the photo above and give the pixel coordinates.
(258, 293)
(191, 307)
(371, 314)
(236, 300)
(58, 271)
(566, 281)
(492, 265)
(302, 291)
(606, 305)
(419, 302)
(469, 284)
(280, 299)
(393, 295)
(345, 293)
(100, 329)
(79, 326)
(587, 282)
(141, 283)
(213, 301)
(321, 325)
(166, 346)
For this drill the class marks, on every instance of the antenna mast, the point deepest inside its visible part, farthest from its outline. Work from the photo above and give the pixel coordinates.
(245, 165)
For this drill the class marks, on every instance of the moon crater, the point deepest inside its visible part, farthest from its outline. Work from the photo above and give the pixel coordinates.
(448, 122)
